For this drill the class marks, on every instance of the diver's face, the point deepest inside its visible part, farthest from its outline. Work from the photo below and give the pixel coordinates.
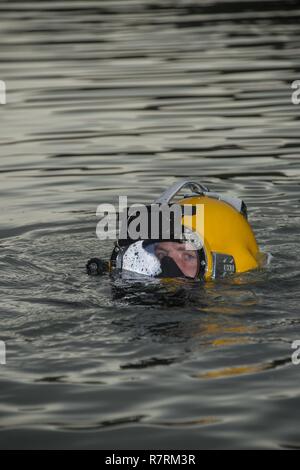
(184, 255)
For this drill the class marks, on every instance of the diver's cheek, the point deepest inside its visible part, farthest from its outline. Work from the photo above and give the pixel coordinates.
(190, 270)
(185, 268)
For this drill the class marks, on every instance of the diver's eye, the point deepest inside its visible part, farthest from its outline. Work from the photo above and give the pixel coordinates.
(189, 257)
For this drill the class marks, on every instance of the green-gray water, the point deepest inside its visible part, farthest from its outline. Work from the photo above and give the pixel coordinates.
(109, 98)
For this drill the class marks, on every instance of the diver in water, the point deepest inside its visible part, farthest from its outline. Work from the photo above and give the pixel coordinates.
(221, 245)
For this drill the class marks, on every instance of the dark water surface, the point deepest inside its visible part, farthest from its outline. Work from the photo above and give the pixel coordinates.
(122, 97)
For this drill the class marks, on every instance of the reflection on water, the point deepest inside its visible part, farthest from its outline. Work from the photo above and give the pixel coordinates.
(109, 98)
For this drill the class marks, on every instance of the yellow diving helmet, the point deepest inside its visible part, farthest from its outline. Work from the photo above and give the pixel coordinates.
(222, 243)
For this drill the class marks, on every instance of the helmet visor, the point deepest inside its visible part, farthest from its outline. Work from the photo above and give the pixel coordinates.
(162, 259)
